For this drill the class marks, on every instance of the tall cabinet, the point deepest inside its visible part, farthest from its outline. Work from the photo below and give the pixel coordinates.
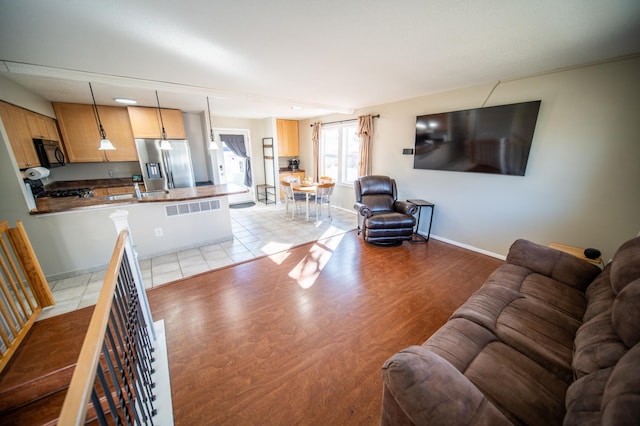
(287, 132)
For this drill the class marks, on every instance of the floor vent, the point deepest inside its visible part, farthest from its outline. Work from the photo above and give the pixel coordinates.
(192, 207)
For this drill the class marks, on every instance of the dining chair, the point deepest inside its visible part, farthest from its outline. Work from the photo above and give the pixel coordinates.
(289, 198)
(295, 180)
(323, 196)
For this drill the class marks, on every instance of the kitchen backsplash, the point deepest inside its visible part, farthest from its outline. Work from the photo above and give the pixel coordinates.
(84, 171)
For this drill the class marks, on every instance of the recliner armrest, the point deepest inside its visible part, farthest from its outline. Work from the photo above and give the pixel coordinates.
(430, 390)
(405, 207)
(362, 209)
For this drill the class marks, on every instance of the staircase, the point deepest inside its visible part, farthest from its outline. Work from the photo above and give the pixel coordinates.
(35, 382)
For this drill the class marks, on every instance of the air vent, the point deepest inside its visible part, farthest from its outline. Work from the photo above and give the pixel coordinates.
(192, 207)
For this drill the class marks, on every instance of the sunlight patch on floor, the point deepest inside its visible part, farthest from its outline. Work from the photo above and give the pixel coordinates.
(308, 269)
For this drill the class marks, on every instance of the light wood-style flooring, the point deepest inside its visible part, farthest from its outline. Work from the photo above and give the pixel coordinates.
(299, 337)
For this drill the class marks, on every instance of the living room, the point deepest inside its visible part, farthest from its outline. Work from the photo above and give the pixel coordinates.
(580, 185)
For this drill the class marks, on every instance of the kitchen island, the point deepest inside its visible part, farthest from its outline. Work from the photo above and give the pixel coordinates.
(75, 235)
(65, 204)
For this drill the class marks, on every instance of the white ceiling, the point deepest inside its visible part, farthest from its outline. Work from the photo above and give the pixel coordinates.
(257, 58)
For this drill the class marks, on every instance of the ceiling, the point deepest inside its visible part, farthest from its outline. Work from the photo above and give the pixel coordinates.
(298, 59)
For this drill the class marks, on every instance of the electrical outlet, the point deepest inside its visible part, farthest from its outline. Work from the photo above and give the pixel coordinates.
(110, 173)
(159, 232)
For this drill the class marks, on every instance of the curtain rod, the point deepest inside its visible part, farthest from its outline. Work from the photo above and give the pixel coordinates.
(344, 121)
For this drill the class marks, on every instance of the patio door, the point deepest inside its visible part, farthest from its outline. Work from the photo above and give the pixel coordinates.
(234, 162)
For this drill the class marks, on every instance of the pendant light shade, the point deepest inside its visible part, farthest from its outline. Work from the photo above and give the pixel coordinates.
(213, 145)
(164, 143)
(105, 144)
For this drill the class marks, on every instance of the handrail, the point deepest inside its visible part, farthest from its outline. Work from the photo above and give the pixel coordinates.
(23, 289)
(114, 366)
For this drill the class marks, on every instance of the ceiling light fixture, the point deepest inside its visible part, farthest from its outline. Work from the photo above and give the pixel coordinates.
(212, 143)
(105, 144)
(126, 101)
(164, 143)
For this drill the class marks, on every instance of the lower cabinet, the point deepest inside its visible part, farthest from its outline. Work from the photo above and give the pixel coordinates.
(285, 175)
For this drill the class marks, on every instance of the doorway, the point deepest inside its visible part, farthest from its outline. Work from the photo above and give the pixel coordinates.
(232, 165)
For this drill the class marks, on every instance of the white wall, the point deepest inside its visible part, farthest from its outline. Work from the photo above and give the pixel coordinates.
(582, 181)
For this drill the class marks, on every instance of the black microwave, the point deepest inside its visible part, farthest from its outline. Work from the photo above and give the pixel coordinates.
(49, 152)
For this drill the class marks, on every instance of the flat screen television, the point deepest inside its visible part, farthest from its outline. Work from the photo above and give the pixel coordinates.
(484, 140)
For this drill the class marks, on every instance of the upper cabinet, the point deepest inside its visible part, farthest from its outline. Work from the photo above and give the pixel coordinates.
(42, 127)
(287, 135)
(81, 136)
(20, 135)
(145, 123)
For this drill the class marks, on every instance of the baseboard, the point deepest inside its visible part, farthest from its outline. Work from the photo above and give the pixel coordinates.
(468, 247)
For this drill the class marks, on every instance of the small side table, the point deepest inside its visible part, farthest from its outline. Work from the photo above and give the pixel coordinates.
(420, 204)
(577, 252)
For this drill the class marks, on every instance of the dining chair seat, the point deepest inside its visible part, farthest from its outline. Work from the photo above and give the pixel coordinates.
(323, 197)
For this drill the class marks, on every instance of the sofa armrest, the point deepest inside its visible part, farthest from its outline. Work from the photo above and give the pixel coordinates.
(405, 207)
(430, 390)
(553, 263)
(362, 209)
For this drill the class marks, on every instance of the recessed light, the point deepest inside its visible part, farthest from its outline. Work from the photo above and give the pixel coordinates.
(126, 101)
(296, 107)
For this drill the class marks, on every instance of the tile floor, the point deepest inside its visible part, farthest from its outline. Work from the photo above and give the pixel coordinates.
(258, 231)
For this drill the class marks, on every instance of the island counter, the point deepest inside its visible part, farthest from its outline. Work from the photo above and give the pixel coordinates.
(72, 236)
(64, 204)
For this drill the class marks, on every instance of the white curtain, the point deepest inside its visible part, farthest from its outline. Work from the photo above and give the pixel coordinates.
(365, 133)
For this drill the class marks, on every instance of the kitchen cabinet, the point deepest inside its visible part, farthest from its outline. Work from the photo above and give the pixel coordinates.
(81, 137)
(115, 190)
(42, 127)
(287, 135)
(285, 175)
(145, 123)
(20, 139)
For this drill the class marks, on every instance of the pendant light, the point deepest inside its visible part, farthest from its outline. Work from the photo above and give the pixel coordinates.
(105, 144)
(212, 143)
(164, 143)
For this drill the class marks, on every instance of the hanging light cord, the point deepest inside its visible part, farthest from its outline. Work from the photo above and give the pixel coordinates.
(103, 134)
(164, 134)
(210, 125)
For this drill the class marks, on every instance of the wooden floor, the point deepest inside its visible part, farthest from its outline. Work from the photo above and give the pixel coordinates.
(299, 338)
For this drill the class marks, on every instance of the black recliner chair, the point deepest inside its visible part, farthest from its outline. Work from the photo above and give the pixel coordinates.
(382, 219)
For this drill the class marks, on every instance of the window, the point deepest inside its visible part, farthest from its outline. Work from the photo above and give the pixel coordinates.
(340, 153)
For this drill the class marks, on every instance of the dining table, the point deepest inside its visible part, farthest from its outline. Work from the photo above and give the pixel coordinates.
(308, 189)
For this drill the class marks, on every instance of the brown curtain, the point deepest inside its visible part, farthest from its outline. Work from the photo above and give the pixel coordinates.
(365, 133)
(315, 138)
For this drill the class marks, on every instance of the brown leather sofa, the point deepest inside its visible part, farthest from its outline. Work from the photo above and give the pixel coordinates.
(548, 339)
(382, 219)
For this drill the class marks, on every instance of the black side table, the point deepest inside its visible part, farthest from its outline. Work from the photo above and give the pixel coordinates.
(421, 204)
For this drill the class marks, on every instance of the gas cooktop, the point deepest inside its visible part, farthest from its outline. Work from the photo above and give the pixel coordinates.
(72, 192)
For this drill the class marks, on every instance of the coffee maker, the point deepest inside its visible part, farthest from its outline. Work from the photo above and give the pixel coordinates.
(294, 164)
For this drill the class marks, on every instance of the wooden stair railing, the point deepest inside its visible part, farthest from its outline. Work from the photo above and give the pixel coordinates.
(113, 376)
(23, 289)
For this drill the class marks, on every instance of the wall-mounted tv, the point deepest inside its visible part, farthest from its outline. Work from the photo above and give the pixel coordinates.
(484, 140)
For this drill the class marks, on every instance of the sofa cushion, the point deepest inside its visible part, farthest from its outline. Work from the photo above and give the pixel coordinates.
(525, 391)
(459, 341)
(625, 266)
(540, 332)
(621, 399)
(555, 264)
(599, 294)
(625, 314)
(597, 345)
(584, 399)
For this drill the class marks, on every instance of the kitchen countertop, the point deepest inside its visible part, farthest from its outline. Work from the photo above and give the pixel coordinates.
(64, 204)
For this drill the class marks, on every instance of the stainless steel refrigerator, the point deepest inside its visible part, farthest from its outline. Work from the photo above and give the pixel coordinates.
(165, 169)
